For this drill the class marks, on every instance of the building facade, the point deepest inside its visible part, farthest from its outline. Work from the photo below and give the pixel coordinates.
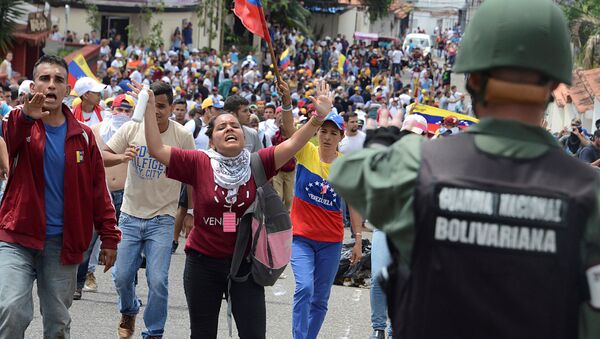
(116, 16)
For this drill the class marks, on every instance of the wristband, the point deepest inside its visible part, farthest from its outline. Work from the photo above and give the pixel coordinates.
(190, 211)
(288, 108)
(315, 122)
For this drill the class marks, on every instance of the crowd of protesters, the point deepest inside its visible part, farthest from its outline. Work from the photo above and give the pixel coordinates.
(226, 105)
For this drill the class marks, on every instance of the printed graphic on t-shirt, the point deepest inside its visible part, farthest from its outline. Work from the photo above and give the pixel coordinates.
(146, 166)
(316, 190)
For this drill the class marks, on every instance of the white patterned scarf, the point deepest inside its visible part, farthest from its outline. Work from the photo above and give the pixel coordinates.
(111, 124)
(230, 172)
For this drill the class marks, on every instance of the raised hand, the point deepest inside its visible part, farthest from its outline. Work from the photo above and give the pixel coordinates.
(323, 101)
(136, 87)
(34, 108)
(284, 90)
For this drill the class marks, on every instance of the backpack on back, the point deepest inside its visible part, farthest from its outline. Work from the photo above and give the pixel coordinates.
(267, 224)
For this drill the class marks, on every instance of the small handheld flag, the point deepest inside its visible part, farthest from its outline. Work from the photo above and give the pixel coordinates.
(343, 64)
(284, 59)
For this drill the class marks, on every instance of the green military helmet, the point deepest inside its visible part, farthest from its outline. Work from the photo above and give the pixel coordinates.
(531, 34)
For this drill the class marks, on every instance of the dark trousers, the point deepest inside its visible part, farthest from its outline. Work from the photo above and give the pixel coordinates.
(117, 197)
(205, 283)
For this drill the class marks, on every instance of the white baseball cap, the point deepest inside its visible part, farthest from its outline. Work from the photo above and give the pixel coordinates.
(25, 87)
(87, 84)
(415, 123)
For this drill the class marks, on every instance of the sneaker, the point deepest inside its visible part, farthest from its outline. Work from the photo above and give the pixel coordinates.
(378, 334)
(174, 246)
(77, 294)
(126, 326)
(90, 283)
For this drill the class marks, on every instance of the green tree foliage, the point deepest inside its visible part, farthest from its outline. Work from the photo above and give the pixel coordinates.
(210, 17)
(288, 13)
(10, 11)
(584, 22)
(149, 32)
(94, 18)
(377, 8)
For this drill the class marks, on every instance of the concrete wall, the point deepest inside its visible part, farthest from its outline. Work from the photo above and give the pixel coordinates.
(347, 23)
(170, 20)
(76, 23)
(427, 21)
(388, 26)
(324, 25)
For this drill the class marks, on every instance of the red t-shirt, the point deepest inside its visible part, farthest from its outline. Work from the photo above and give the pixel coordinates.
(207, 236)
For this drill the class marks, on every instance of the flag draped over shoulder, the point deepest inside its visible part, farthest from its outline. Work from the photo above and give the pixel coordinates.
(252, 16)
(284, 59)
(78, 68)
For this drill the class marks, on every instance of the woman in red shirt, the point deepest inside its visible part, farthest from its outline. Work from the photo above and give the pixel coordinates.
(222, 182)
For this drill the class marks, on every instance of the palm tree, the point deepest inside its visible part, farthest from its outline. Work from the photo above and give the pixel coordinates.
(10, 12)
(290, 13)
(584, 21)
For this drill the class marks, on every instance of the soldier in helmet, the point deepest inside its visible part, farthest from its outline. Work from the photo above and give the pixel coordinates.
(491, 238)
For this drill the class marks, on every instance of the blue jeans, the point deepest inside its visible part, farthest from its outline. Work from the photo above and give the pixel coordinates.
(380, 258)
(315, 264)
(19, 267)
(90, 257)
(84, 266)
(154, 237)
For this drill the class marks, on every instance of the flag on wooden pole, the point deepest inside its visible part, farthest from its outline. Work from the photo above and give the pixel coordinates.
(252, 16)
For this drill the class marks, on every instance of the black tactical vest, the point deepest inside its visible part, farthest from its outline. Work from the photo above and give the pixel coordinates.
(498, 245)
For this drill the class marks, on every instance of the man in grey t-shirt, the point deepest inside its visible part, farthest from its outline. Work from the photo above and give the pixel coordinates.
(238, 106)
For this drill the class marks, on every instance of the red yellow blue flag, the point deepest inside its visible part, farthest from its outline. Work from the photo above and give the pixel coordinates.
(78, 68)
(285, 60)
(252, 16)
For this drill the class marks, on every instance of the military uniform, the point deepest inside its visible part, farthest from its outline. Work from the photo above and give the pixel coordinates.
(492, 221)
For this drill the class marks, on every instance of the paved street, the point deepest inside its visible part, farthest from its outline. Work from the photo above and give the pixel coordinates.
(96, 315)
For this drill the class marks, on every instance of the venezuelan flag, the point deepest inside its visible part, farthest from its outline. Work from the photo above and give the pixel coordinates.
(79, 156)
(434, 116)
(78, 68)
(252, 16)
(343, 64)
(285, 60)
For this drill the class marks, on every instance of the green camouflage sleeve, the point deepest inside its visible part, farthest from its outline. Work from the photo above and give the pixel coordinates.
(380, 183)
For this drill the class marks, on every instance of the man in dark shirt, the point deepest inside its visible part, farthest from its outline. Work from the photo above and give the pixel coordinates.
(591, 152)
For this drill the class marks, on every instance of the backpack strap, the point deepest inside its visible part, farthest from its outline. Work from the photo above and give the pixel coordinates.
(197, 127)
(244, 232)
(258, 171)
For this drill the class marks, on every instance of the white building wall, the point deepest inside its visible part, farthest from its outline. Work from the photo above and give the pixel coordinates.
(424, 14)
(171, 20)
(347, 23)
(595, 115)
(324, 25)
(77, 17)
